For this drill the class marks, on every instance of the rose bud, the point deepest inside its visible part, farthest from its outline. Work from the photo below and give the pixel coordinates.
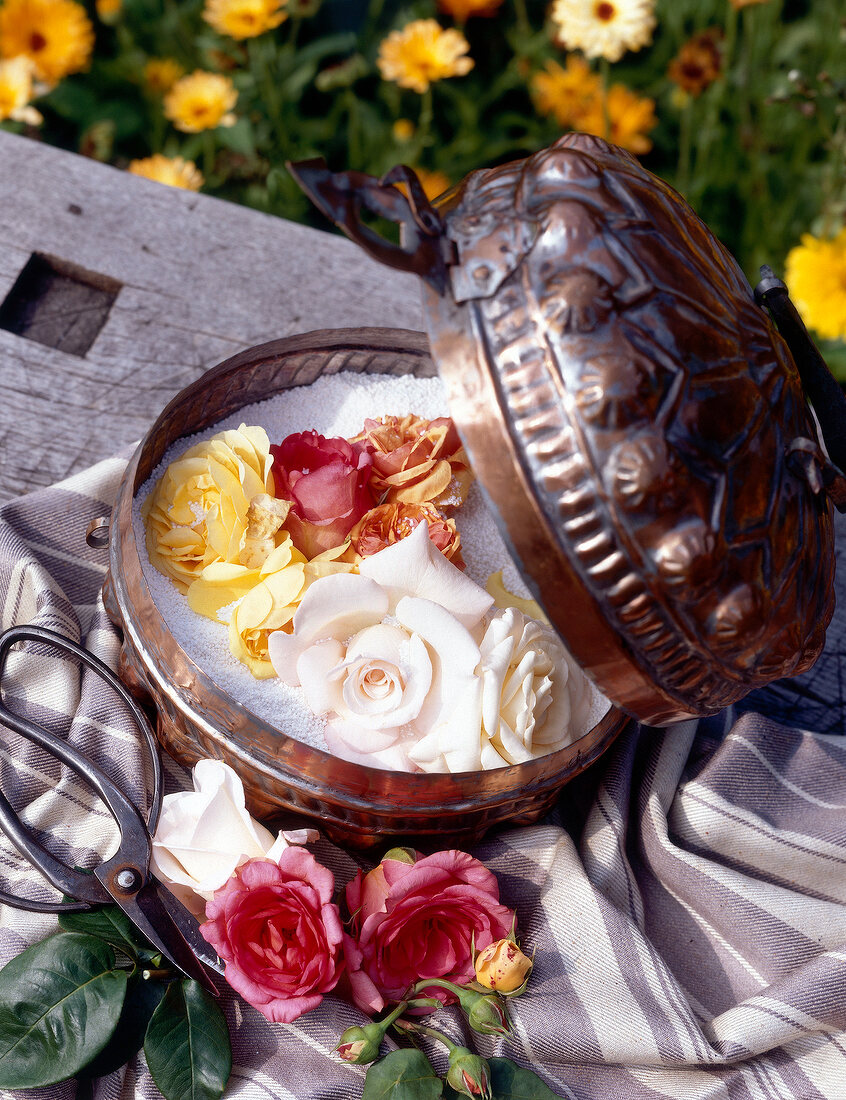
(360, 1045)
(486, 1014)
(502, 966)
(469, 1074)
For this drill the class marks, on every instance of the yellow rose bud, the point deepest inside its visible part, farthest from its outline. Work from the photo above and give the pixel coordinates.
(502, 966)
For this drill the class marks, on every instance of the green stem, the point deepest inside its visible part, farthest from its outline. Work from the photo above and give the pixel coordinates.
(424, 123)
(262, 56)
(423, 1029)
(685, 132)
(398, 1011)
(208, 154)
(524, 26)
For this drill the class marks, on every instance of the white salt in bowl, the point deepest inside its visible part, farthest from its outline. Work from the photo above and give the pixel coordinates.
(208, 705)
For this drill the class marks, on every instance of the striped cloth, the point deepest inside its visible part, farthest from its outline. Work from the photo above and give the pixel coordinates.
(686, 902)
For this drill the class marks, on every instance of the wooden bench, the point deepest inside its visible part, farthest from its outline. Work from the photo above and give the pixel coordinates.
(115, 292)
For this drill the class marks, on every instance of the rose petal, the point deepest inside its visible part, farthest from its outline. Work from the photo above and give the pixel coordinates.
(414, 566)
(333, 607)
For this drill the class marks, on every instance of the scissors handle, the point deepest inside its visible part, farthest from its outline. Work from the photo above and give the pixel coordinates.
(135, 842)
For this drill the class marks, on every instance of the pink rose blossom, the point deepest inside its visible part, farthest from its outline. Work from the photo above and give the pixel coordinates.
(420, 920)
(275, 927)
(328, 482)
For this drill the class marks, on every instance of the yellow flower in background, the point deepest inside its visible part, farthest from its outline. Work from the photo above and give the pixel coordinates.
(630, 116)
(462, 10)
(603, 28)
(174, 171)
(403, 129)
(565, 93)
(16, 91)
(161, 73)
(423, 53)
(815, 273)
(108, 10)
(201, 101)
(244, 18)
(434, 183)
(738, 4)
(56, 35)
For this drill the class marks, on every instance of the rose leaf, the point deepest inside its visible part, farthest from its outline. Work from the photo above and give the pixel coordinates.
(142, 999)
(187, 1044)
(512, 1082)
(111, 924)
(60, 1001)
(402, 1075)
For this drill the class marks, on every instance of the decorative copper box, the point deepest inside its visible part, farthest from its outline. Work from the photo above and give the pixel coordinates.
(640, 430)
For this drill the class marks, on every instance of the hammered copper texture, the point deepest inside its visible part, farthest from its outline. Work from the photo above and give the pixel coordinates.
(353, 804)
(629, 408)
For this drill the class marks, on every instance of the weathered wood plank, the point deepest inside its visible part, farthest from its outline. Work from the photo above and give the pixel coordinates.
(200, 279)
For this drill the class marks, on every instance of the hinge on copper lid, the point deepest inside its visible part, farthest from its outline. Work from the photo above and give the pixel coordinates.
(807, 461)
(821, 388)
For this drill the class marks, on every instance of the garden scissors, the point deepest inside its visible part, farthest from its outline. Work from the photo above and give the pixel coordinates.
(125, 878)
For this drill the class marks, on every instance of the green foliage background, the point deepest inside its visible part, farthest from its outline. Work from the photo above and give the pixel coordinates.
(761, 154)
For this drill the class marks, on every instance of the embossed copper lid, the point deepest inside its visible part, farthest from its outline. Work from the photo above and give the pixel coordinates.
(635, 419)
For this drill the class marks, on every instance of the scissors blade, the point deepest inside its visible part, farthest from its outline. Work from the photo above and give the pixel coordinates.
(145, 909)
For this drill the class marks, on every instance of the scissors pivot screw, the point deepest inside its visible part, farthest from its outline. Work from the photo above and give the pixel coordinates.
(127, 880)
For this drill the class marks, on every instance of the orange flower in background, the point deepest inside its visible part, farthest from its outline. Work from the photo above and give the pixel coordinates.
(630, 116)
(388, 523)
(416, 460)
(16, 91)
(565, 93)
(201, 101)
(422, 53)
(698, 63)
(56, 35)
(738, 4)
(108, 10)
(174, 171)
(244, 18)
(161, 73)
(462, 10)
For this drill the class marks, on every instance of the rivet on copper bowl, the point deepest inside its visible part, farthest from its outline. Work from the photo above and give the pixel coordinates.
(640, 430)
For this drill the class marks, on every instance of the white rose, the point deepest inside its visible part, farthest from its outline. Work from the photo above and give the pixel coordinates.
(204, 835)
(390, 658)
(535, 699)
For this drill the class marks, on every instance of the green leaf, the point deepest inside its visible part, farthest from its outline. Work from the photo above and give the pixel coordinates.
(402, 1075)
(59, 1005)
(111, 924)
(511, 1082)
(141, 1001)
(187, 1044)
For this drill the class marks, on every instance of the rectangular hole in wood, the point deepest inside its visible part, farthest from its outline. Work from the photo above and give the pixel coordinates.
(57, 303)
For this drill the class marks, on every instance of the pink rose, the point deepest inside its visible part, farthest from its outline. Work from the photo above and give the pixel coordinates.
(275, 927)
(420, 920)
(328, 482)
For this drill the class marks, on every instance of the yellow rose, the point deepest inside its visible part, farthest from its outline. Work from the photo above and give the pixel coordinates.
(257, 601)
(197, 513)
(502, 966)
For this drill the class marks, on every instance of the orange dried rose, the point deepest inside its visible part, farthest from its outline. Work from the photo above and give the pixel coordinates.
(416, 460)
(388, 523)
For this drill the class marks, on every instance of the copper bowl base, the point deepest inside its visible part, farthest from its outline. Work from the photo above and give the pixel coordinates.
(354, 805)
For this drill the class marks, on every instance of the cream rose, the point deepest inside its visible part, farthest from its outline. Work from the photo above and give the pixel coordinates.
(390, 657)
(204, 835)
(197, 512)
(533, 694)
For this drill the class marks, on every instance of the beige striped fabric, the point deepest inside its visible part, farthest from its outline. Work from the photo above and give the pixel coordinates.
(686, 902)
